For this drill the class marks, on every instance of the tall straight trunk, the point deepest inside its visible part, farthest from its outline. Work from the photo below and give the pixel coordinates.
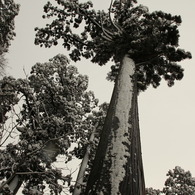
(118, 168)
(81, 173)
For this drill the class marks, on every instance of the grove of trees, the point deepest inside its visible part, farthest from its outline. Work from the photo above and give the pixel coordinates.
(51, 109)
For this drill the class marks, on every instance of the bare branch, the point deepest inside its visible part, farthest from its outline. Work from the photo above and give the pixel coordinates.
(146, 62)
(105, 33)
(8, 136)
(115, 25)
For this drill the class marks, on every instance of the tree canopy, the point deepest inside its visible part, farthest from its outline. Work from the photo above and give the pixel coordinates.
(8, 11)
(151, 191)
(55, 106)
(179, 182)
(150, 39)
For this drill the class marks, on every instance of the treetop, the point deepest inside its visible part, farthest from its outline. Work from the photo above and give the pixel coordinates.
(150, 39)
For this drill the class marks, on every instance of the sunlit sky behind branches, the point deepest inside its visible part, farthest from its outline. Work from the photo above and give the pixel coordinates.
(167, 115)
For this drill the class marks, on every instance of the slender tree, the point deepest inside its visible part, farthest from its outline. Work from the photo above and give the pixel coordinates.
(144, 47)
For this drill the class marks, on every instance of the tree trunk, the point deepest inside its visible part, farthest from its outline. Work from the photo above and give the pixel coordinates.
(118, 168)
(14, 183)
(81, 174)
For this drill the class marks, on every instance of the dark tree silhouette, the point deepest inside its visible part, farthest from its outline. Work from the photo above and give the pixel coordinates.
(179, 182)
(151, 191)
(144, 47)
(8, 11)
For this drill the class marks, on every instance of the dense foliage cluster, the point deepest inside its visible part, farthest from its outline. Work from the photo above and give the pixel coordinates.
(7, 99)
(8, 11)
(151, 191)
(150, 39)
(179, 182)
(54, 114)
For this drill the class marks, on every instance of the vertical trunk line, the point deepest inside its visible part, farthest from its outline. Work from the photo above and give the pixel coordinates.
(94, 179)
(118, 168)
(80, 177)
(134, 167)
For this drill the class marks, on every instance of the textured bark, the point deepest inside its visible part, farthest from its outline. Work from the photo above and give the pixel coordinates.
(118, 168)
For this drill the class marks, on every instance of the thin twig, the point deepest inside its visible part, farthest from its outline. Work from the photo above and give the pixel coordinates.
(145, 62)
(13, 128)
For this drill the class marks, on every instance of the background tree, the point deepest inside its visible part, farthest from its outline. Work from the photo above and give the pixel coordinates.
(8, 11)
(144, 46)
(179, 182)
(54, 114)
(87, 152)
(151, 191)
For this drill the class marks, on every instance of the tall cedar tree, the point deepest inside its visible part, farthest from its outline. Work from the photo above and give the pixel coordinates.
(144, 47)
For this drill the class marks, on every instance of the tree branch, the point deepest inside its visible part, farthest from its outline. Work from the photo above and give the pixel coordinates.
(117, 28)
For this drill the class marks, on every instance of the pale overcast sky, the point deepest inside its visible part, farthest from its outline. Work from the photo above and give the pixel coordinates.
(167, 115)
